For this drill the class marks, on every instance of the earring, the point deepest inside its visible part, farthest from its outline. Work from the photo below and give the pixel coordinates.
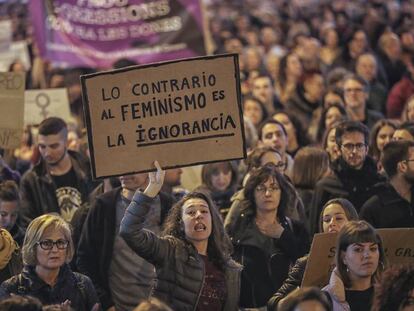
(347, 269)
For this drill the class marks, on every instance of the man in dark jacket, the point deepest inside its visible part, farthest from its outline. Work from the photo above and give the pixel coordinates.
(121, 280)
(390, 56)
(59, 182)
(356, 93)
(367, 68)
(392, 205)
(354, 173)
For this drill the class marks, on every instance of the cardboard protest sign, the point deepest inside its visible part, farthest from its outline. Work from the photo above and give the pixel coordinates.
(98, 33)
(5, 34)
(180, 113)
(16, 51)
(41, 104)
(398, 246)
(11, 109)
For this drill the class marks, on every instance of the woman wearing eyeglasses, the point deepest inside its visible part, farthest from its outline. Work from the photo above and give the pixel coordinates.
(266, 242)
(47, 250)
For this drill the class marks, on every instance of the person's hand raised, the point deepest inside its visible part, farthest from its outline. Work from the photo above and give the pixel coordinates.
(156, 180)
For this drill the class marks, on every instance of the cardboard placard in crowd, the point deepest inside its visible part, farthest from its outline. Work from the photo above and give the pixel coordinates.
(12, 87)
(16, 51)
(5, 34)
(45, 103)
(398, 246)
(181, 113)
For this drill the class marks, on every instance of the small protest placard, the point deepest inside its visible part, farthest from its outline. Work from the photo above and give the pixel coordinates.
(11, 109)
(41, 104)
(16, 51)
(180, 113)
(398, 247)
(5, 34)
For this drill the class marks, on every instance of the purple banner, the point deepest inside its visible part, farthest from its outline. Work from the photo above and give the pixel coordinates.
(96, 33)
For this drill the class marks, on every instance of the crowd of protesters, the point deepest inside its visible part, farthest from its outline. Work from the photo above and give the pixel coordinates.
(328, 106)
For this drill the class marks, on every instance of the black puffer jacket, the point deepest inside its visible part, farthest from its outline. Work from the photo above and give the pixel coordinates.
(293, 281)
(72, 286)
(265, 260)
(179, 268)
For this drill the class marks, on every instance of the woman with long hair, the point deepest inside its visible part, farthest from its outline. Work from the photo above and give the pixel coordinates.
(330, 115)
(254, 110)
(266, 242)
(290, 72)
(192, 260)
(329, 143)
(359, 260)
(311, 164)
(334, 215)
(381, 134)
(220, 179)
(297, 137)
(408, 111)
(330, 49)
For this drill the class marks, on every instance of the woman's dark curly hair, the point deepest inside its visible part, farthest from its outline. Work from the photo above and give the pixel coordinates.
(394, 289)
(219, 245)
(260, 176)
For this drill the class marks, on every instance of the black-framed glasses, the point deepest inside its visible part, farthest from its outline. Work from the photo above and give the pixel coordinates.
(47, 245)
(350, 147)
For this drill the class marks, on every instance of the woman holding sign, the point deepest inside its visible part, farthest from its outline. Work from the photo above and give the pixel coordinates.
(193, 264)
(335, 214)
(359, 261)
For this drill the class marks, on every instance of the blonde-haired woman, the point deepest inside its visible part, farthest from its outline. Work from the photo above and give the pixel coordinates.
(47, 250)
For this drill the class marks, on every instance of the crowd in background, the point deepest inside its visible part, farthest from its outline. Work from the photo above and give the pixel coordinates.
(328, 105)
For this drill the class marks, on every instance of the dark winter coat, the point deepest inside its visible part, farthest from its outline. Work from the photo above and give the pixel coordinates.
(265, 260)
(387, 209)
(70, 285)
(38, 191)
(346, 182)
(95, 250)
(293, 281)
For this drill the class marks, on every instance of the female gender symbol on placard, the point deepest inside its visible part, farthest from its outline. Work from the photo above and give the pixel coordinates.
(42, 100)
